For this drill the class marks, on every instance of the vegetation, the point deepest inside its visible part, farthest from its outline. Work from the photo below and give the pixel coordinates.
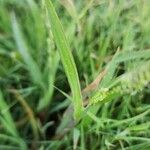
(50, 50)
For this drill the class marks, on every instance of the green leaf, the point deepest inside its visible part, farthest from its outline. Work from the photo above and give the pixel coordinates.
(32, 66)
(8, 123)
(6, 118)
(66, 58)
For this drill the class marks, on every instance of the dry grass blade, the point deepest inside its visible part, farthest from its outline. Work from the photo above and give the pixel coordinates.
(28, 111)
(95, 83)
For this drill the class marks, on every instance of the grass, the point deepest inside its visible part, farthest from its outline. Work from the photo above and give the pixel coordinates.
(50, 50)
(67, 59)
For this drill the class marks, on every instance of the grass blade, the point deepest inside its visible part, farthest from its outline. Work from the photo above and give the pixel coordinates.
(66, 58)
(6, 118)
(7, 121)
(23, 50)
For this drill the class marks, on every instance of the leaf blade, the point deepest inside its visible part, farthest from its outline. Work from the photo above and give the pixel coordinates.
(66, 58)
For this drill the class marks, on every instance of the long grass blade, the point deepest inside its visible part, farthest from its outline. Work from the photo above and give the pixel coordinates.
(66, 58)
(23, 50)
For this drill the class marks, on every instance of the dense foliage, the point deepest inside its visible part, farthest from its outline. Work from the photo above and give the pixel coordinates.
(50, 50)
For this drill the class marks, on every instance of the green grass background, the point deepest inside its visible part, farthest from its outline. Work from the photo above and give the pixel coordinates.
(39, 79)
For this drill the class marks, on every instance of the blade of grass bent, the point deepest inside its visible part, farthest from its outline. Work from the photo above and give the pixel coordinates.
(66, 58)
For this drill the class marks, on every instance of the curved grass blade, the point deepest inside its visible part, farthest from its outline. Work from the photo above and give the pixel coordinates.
(66, 58)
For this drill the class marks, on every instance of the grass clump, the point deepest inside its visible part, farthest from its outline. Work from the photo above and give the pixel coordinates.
(50, 50)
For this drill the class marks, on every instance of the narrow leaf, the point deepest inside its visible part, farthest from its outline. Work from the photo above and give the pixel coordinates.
(66, 58)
